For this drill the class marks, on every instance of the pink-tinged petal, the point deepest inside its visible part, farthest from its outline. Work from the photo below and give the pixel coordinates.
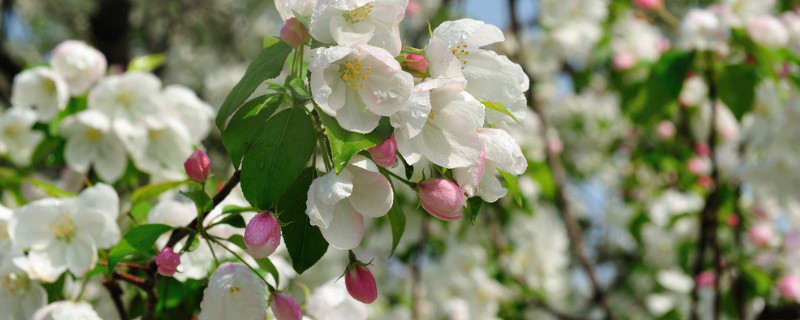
(360, 283)
(167, 262)
(503, 150)
(285, 307)
(262, 235)
(323, 57)
(385, 153)
(474, 33)
(346, 229)
(442, 198)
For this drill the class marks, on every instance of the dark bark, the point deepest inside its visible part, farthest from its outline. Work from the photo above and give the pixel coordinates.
(111, 27)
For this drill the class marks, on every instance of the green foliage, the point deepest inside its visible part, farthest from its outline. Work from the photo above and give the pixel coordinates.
(513, 188)
(147, 63)
(267, 65)
(51, 189)
(473, 207)
(247, 123)
(266, 265)
(153, 190)
(737, 88)
(397, 220)
(656, 98)
(277, 156)
(138, 240)
(304, 242)
(345, 144)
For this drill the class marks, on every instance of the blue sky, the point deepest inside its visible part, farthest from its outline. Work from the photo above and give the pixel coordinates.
(496, 11)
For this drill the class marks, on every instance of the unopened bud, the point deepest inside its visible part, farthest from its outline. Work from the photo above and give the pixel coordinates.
(760, 235)
(167, 262)
(413, 8)
(360, 283)
(198, 166)
(648, 4)
(442, 198)
(385, 153)
(789, 286)
(623, 60)
(665, 129)
(285, 307)
(416, 63)
(262, 235)
(294, 33)
(705, 279)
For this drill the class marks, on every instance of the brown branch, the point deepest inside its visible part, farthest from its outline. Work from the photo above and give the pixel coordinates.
(116, 295)
(559, 178)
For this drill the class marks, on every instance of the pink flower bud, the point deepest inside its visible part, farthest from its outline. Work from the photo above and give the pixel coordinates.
(555, 145)
(262, 235)
(623, 60)
(167, 262)
(732, 221)
(705, 279)
(385, 153)
(360, 283)
(285, 307)
(294, 33)
(760, 235)
(648, 4)
(665, 129)
(702, 149)
(198, 166)
(789, 286)
(706, 182)
(442, 198)
(413, 8)
(417, 63)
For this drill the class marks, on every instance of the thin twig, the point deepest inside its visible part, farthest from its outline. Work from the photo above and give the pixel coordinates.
(116, 295)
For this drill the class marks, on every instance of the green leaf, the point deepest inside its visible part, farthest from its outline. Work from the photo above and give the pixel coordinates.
(235, 209)
(298, 89)
(153, 190)
(497, 106)
(270, 41)
(474, 206)
(238, 240)
(513, 188)
(140, 211)
(248, 121)
(138, 239)
(397, 220)
(737, 88)
(267, 65)
(266, 265)
(277, 156)
(345, 144)
(201, 199)
(233, 220)
(757, 282)
(655, 98)
(303, 241)
(147, 63)
(51, 189)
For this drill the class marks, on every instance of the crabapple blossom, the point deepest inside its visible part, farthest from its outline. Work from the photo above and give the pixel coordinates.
(789, 287)
(42, 90)
(338, 203)
(416, 63)
(285, 307)
(79, 64)
(768, 31)
(167, 261)
(262, 235)
(442, 198)
(67, 310)
(648, 4)
(92, 142)
(760, 235)
(385, 153)
(358, 84)
(233, 292)
(703, 30)
(183, 104)
(665, 130)
(705, 279)
(197, 166)
(501, 152)
(348, 22)
(294, 33)
(17, 137)
(65, 233)
(20, 296)
(287, 8)
(455, 51)
(360, 283)
(131, 97)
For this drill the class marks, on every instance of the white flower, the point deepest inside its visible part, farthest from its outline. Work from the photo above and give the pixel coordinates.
(439, 122)
(91, 141)
(332, 302)
(160, 149)
(349, 22)
(183, 104)
(64, 234)
(67, 310)
(40, 89)
(337, 204)
(501, 152)
(703, 30)
(286, 8)
(17, 137)
(20, 297)
(455, 51)
(768, 31)
(635, 36)
(358, 85)
(234, 292)
(131, 97)
(79, 64)
(694, 92)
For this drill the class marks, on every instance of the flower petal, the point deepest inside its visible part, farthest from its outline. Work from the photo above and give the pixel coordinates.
(49, 263)
(81, 255)
(346, 229)
(503, 150)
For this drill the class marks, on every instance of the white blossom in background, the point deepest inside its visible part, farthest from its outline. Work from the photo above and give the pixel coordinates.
(768, 31)
(64, 234)
(574, 25)
(161, 149)
(636, 37)
(20, 296)
(79, 64)
(694, 92)
(92, 142)
(332, 302)
(337, 204)
(18, 140)
(455, 51)
(131, 97)
(358, 84)
(703, 30)
(183, 104)
(739, 12)
(348, 22)
(439, 123)
(234, 292)
(791, 21)
(42, 90)
(67, 310)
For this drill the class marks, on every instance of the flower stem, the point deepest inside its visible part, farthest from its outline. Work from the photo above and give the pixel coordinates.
(410, 184)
